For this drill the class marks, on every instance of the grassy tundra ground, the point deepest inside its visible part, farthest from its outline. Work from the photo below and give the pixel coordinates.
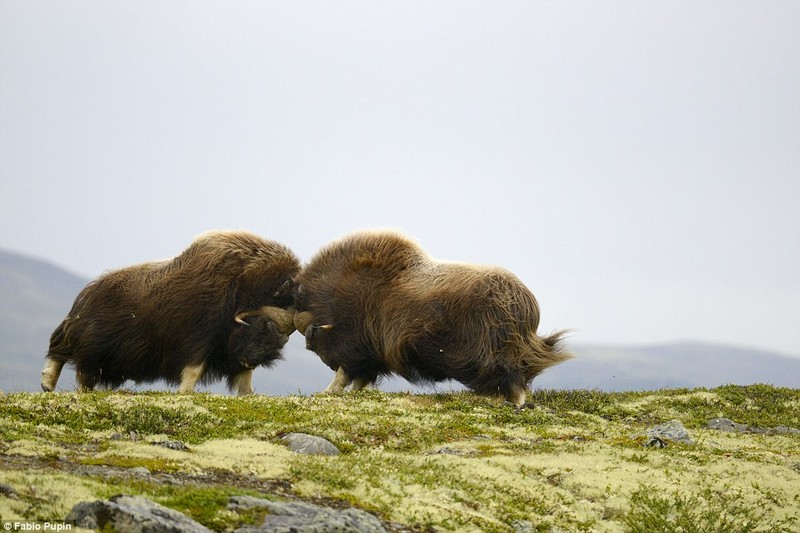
(574, 462)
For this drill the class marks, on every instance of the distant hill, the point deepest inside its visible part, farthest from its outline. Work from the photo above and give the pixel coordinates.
(678, 365)
(36, 295)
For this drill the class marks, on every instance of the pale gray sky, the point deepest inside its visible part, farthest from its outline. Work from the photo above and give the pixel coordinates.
(634, 163)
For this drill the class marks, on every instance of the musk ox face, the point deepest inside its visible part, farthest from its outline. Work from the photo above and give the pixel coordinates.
(375, 304)
(256, 343)
(217, 310)
(259, 336)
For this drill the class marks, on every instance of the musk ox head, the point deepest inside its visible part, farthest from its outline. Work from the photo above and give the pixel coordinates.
(260, 335)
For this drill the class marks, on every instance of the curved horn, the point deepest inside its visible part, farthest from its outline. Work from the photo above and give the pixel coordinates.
(302, 320)
(283, 318)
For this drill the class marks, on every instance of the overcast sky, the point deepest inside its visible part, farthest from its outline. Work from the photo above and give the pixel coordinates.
(636, 164)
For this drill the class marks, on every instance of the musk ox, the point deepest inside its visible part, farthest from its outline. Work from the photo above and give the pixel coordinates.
(219, 309)
(373, 304)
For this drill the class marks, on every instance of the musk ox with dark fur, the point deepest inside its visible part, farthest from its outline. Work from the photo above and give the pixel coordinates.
(219, 309)
(373, 304)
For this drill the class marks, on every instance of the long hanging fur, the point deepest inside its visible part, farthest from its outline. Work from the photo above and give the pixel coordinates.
(154, 320)
(389, 308)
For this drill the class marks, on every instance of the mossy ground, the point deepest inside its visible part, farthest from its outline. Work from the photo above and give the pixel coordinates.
(574, 462)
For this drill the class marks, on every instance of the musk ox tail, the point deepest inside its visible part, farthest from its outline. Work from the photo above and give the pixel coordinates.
(545, 352)
(528, 360)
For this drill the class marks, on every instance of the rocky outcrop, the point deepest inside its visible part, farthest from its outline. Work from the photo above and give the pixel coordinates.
(132, 514)
(135, 514)
(297, 517)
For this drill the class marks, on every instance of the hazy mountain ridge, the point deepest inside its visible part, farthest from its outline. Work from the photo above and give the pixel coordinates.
(37, 294)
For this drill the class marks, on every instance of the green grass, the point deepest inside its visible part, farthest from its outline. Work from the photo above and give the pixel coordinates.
(711, 511)
(575, 461)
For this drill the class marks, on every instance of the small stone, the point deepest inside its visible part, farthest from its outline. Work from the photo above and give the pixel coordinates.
(668, 431)
(309, 444)
(725, 424)
(446, 450)
(139, 471)
(655, 442)
(522, 526)
(172, 445)
(8, 491)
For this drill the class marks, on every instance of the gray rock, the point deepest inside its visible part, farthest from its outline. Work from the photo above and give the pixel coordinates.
(304, 518)
(725, 424)
(655, 442)
(309, 444)
(119, 436)
(786, 430)
(673, 430)
(8, 491)
(132, 514)
(139, 471)
(172, 445)
(446, 450)
(522, 526)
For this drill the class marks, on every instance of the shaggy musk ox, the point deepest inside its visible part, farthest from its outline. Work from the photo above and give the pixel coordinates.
(373, 304)
(219, 309)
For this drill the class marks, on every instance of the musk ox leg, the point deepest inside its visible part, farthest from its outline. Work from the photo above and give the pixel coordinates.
(189, 377)
(517, 397)
(340, 381)
(51, 373)
(243, 382)
(85, 381)
(360, 383)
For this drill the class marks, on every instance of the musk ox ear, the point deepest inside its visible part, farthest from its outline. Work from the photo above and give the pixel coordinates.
(283, 318)
(285, 289)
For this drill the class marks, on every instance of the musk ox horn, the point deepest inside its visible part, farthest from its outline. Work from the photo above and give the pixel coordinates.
(283, 318)
(302, 320)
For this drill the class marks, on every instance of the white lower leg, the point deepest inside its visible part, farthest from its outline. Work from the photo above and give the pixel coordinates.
(517, 397)
(50, 373)
(243, 382)
(360, 383)
(189, 377)
(340, 381)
